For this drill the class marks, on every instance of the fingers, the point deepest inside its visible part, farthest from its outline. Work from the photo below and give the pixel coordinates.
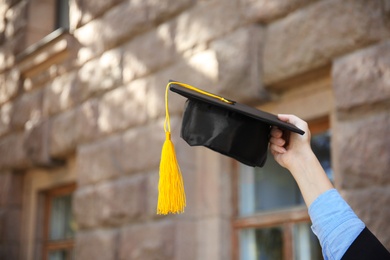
(276, 149)
(276, 132)
(277, 142)
(292, 119)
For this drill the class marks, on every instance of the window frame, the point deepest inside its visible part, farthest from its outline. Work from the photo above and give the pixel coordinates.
(285, 218)
(48, 245)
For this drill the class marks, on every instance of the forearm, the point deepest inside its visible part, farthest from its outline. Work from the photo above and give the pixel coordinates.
(310, 177)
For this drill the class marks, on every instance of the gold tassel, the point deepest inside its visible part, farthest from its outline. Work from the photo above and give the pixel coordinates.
(171, 194)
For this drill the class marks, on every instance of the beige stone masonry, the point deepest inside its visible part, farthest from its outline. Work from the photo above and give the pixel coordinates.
(121, 201)
(85, 207)
(123, 107)
(311, 37)
(60, 94)
(98, 244)
(366, 74)
(63, 138)
(148, 241)
(13, 154)
(9, 85)
(206, 21)
(86, 10)
(27, 110)
(5, 118)
(149, 52)
(361, 150)
(116, 26)
(238, 58)
(265, 11)
(101, 74)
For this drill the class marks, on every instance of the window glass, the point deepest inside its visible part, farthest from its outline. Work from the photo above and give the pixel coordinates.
(59, 224)
(61, 218)
(320, 144)
(261, 244)
(61, 255)
(306, 245)
(272, 187)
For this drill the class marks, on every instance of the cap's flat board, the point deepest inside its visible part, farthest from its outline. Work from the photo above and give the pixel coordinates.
(257, 114)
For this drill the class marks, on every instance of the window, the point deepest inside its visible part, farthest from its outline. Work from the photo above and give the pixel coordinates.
(272, 221)
(62, 14)
(44, 17)
(59, 227)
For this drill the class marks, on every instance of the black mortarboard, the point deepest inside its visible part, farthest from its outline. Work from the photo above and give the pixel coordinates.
(223, 125)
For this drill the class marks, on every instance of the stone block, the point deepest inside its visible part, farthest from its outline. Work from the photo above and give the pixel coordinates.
(265, 11)
(202, 23)
(89, 9)
(123, 107)
(36, 145)
(5, 118)
(161, 10)
(63, 138)
(13, 154)
(16, 19)
(11, 189)
(85, 208)
(182, 71)
(371, 206)
(113, 28)
(87, 128)
(100, 160)
(121, 201)
(60, 94)
(96, 244)
(139, 59)
(361, 150)
(152, 193)
(6, 60)
(12, 228)
(238, 57)
(101, 74)
(186, 246)
(27, 110)
(214, 235)
(148, 241)
(9, 83)
(363, 77)
(141, 148)
(311, 37)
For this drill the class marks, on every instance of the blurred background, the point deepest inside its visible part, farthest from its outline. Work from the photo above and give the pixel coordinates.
(82, 87)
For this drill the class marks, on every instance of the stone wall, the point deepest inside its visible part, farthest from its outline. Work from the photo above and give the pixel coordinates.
(96, 93)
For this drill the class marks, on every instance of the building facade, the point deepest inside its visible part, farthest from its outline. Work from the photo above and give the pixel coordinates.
(82, 109)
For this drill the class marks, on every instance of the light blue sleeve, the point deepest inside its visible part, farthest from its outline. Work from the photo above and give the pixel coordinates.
(334, 223)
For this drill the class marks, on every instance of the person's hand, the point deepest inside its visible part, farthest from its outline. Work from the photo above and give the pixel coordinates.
(288, 148)
(294, 153)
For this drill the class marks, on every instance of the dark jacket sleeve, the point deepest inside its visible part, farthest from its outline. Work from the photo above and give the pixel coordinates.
(366, 246)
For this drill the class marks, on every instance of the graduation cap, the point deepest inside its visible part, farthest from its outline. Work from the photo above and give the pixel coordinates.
(220, 124)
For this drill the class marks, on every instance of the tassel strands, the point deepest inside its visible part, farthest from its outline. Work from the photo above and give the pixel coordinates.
(171, 194)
